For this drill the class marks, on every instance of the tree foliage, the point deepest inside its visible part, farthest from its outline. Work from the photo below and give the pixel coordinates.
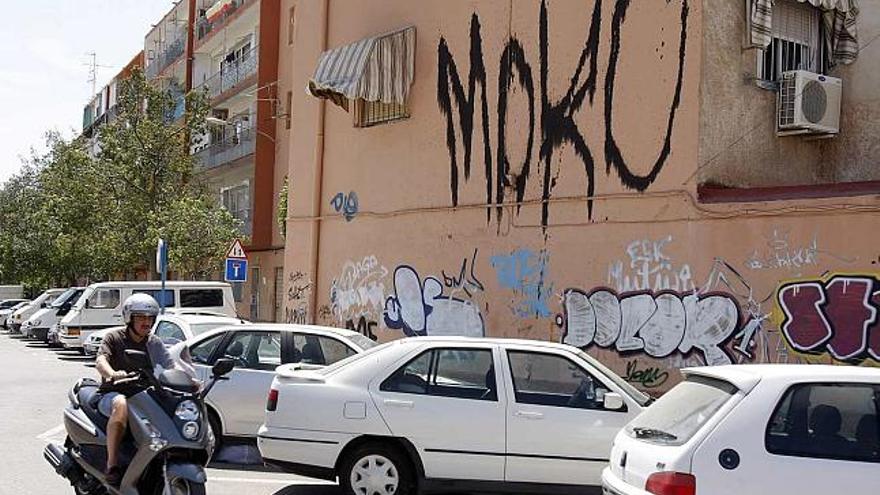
(94, 208)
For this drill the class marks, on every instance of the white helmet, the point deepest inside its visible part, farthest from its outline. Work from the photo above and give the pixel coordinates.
(139, 304)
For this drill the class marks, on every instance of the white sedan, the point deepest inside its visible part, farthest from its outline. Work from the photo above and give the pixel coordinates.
(756, 429)
(171, 328)
(236, 406)
(445, 413)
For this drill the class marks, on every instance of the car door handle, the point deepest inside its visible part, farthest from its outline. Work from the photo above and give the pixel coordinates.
(528, 415)
(407, 404)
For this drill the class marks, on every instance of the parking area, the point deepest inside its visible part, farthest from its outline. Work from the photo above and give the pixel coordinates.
(35, 381)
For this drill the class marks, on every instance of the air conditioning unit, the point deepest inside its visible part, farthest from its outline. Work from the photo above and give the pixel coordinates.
(808, 103)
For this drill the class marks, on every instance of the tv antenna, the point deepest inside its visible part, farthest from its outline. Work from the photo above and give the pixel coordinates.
(93, 72)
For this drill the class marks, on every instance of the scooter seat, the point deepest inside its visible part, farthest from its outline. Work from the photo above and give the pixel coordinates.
(88, 398)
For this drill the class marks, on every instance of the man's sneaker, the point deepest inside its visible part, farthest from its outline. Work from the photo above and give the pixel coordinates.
(114, 476)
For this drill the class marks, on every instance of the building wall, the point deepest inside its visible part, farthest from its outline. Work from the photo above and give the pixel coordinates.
(738, 142)
(607, 247)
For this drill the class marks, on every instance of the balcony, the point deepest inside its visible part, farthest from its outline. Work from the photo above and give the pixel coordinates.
(232, 74)
(174, 114)
(227, 9)
(167, 57)
(236, 145)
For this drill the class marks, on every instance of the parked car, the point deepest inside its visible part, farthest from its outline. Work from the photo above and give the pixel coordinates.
(101, 305)
(756, 429)
(170, 327)
(22, 314)
(446, 413)
(7, 310)
(38, 325)
(236, 406)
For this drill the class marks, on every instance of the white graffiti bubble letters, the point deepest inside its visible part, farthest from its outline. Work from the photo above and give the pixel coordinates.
(665, 328)
(584, 328)
(608, 317)
(359, 290)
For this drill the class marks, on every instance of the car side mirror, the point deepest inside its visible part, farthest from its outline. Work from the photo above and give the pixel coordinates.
(42, 305)
(222, 367)
(86, 304)
(139, 358)
(613, 401)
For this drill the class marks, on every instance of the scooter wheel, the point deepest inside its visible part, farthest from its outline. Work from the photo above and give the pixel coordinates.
(180, 486)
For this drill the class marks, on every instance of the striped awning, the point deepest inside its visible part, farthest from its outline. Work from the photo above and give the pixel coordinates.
(838, 17)
(379, 68)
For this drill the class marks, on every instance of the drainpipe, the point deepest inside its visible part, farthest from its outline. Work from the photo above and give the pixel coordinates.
(317, 186)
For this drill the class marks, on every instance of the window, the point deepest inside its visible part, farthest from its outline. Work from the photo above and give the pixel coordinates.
(255, 350)
(370, 113)
(551, 380)
(795, 43)
(287, 109)
(201, 298)
(202, 351)
(456, 373)
(157, 295)
(279, 293)
(682, 411)
(237, 200)
(314, 349)
(169, 333)
(290, 25)
(104, 299)
(827, 421)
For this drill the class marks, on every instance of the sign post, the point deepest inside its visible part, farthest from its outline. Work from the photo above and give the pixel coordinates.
(162, 268)
(236, 263)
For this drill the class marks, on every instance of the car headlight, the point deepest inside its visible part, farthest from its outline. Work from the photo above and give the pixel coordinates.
(35, 323)
(187, 411)
(190, 430)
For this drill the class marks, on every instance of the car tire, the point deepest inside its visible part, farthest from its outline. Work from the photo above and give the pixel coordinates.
(217, 430)
(364, 470)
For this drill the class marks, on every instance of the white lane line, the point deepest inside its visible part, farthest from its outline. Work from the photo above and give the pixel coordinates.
(265, 481)
(48, 434)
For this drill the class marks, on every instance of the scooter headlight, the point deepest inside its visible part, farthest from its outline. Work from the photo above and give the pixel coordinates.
(187, 411)
(190, 430)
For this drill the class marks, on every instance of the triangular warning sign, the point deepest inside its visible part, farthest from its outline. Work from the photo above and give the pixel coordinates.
(236, 251)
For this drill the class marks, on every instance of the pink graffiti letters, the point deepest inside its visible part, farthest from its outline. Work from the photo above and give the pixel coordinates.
(838, 316)
(658, 324)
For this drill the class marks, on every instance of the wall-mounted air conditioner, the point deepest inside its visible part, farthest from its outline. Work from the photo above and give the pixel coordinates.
(808, 103)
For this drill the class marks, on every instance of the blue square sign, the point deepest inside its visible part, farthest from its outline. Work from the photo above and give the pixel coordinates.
(236, 270)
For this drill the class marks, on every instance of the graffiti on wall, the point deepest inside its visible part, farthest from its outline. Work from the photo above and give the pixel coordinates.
(363, 326)
(647, 377)
(346, 204)
(418, 306)
(298, 291)
(837, 315)
(780, 252)
(555, 116)
(359, 291)
(466, 279)
(524, 272)
(649, 268)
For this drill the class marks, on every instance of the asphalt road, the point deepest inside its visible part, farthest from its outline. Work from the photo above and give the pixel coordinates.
(34, 381)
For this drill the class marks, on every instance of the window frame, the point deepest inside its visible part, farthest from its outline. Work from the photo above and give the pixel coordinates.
(232, 335)
(821, 64)
(789, 391)
(95, 292)
(214, 354)
(183, 302)
(432, 366)
(164, 323)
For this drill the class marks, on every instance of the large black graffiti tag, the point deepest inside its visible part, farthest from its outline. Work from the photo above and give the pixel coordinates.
(558, 117)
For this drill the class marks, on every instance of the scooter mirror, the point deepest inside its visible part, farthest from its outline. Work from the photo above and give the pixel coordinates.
(139, 358)
(222, 367)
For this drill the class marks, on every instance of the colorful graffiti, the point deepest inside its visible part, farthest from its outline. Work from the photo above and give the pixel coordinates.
(656, 324)
(837, 315)
(346, 204)
(419, 307)
(558, 121)
(524, 272)
(359, 290)
(649, 268)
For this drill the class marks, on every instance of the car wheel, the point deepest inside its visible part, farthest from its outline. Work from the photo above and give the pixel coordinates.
(217, 430)
(376, 469)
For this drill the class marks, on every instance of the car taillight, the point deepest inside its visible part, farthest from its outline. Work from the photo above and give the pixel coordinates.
(272, 403)
(72, 331)
(671, 483)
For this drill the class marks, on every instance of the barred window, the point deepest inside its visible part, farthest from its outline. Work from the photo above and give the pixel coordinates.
(370, 113)
(796, 43)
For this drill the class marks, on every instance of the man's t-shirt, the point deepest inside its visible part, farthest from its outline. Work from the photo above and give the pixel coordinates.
(113, 348)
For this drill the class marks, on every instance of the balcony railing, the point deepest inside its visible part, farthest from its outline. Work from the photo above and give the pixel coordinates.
(232, 74)
(204, 27)
(167, 57)
(239, 144)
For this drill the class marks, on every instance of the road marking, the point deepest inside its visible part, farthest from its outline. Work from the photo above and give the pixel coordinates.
(265, 481)
(48, 434)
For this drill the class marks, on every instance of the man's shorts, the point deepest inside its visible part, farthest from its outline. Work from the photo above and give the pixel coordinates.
(105, 405)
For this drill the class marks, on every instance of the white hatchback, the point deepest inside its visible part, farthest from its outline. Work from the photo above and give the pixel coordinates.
(755, 429)
(446, 413)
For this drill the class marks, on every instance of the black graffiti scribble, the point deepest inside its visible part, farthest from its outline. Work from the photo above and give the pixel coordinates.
(363, 327)
(558, 126)
(466, 278)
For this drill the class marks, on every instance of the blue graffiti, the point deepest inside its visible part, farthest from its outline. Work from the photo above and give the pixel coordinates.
(523, 271)
(347, 204)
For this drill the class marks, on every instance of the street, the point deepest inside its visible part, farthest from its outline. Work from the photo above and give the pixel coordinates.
(35, 383)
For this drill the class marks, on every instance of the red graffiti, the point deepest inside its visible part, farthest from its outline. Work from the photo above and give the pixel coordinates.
(838, 316)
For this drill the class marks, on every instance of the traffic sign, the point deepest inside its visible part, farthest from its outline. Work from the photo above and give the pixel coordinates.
(236, 251)
(236, 270)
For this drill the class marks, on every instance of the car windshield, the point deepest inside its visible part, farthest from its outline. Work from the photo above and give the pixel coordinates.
(61, 299)
(85, 297)
(640, 397)
(679, 414)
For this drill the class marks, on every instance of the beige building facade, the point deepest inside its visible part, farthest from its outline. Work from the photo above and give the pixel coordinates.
(604, 174)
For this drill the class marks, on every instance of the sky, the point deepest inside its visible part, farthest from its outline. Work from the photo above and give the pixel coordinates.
(44, 46)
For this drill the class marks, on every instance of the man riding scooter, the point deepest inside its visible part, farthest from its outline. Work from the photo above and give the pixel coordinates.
(139, 313)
